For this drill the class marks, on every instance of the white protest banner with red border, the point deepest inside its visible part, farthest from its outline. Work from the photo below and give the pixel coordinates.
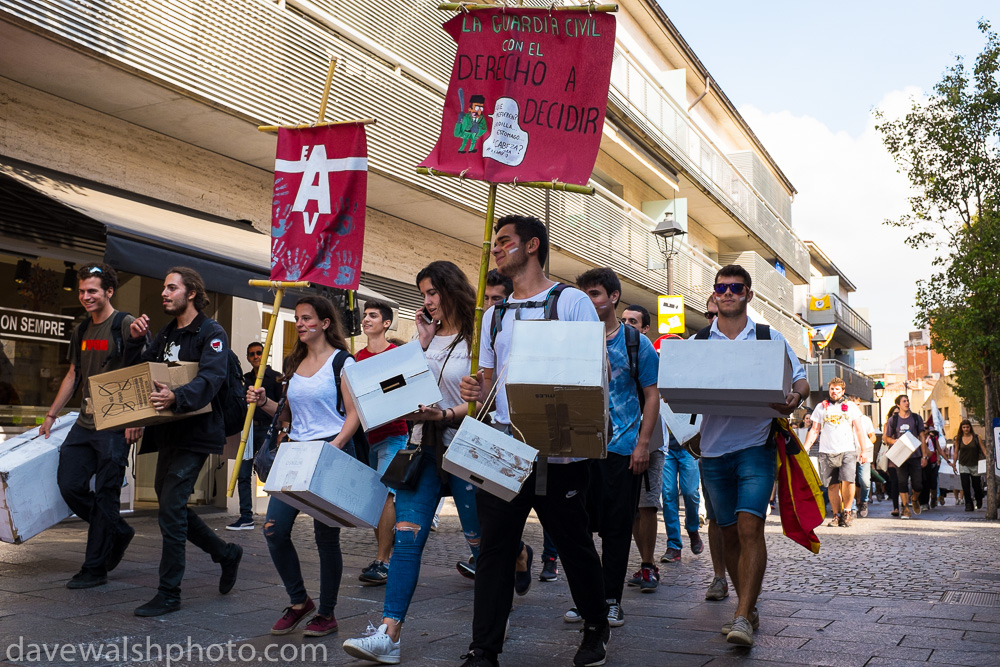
(527, 96)
(318, 216)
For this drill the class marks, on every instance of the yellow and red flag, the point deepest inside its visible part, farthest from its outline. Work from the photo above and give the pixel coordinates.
(800, 495)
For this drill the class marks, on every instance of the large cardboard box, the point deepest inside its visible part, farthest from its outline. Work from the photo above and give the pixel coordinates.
(557, 387)
(327, 484)
(120, 399)
(719, 377)
(30, 501)
(905, 444)
(490, 459)
(391, 384)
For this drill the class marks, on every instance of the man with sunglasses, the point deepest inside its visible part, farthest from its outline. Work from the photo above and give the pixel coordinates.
(261, 422)
(738, 461)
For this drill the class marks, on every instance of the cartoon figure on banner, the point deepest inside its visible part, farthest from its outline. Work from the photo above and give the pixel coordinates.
(471, 124)
(507, 142)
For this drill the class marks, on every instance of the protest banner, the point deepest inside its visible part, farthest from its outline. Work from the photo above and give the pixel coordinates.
(527, 96)
(318, 221)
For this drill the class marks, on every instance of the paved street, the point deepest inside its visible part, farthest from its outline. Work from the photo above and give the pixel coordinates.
(883, 593)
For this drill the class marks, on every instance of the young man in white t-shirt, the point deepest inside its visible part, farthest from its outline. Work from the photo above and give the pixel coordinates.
(520, 247)
(840, 450)
(864, 477)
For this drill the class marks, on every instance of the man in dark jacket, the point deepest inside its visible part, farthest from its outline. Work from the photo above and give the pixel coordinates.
(183, 445)
(261, 422)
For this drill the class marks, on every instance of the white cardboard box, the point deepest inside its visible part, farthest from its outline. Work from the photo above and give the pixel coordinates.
(905, 445)
(327, 484)
(557, 387)
(391, 384)
(680, 424)
(721, 377)
(490, 459)
(30, 501)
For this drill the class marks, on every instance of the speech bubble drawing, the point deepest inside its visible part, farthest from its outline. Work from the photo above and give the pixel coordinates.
(507, 142)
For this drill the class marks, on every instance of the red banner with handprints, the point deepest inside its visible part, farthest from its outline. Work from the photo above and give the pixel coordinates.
(318, 216)
(527, 96)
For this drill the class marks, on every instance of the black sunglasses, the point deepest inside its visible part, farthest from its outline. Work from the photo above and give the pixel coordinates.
(709, 315)
(735, 288)
(255, 353)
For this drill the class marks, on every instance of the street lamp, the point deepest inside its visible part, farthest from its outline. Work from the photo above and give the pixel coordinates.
(668, 229)
(879, 393)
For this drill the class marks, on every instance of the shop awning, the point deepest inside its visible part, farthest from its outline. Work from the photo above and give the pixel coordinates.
(147, 236)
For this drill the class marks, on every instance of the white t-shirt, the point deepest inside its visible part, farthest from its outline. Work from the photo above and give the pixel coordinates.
(313, 401)
(457, 367)
(868, 429)
(836, 422)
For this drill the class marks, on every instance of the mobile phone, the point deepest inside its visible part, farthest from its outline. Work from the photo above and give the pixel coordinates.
(427, 318)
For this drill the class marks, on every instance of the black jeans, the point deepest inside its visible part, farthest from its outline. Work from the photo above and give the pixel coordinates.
(910, 472)
(892, 486)
(244, 484)
(929, 479)
(176, 472)
(972, 487)
(563, 513)
(612, 501)
(103, 455)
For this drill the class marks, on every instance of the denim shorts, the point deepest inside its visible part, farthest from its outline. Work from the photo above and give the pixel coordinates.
(381, 452)
(739, 481)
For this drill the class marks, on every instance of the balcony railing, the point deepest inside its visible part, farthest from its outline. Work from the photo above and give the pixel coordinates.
(648, 105)
(848, 322)
(858, 384)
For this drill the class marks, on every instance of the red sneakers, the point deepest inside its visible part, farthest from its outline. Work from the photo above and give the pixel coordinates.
(292, 617)
(320, 626)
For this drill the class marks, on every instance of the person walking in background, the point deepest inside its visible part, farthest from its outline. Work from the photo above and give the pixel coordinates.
(446, 336)
(863, 479)
(969, 451)
(384, 441)
(183, 446)
(891, 477)
(261, 422)
(313, 397)
(909, 473)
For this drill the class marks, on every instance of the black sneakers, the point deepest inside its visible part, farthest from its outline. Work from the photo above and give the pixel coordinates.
(549, 570)
(594, 647)
(158, 606)
(86, 579)
(230, 568)
(118, 547)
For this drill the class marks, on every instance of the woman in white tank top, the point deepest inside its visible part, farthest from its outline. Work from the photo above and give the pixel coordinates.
(312, 410)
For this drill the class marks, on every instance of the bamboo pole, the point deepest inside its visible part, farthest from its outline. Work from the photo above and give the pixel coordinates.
(302, 126)
(279, 292)
(326, 90)
(470, 7)
(484, 267)
(544, 185)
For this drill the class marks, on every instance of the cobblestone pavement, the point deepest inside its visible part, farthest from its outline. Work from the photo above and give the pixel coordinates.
(885, 592)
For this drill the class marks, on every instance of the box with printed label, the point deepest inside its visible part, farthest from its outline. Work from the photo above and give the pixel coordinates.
(327, 483)
(722, 377)
(30, 501)
(557, 387)
(391, 384)
(905, 445)
(120, 399)
(490, 459)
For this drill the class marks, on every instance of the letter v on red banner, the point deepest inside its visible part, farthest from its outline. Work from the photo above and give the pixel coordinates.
(318, 216)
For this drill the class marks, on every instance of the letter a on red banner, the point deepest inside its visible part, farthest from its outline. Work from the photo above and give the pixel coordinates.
(318, 218)
(527, 96)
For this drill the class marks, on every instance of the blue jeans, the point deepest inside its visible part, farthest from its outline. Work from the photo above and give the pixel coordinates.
(739, 481)
(278, 533)
(864, 482)
(417, 507)
(680, 465)
(380, 453)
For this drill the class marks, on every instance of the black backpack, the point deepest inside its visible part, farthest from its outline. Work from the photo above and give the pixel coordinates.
(632, 346)
(549, 304)
(361, 447)
(763, 332)
(232, 397)
(115, 352)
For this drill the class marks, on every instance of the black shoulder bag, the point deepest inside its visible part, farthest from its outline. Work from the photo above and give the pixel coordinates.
(269, 449)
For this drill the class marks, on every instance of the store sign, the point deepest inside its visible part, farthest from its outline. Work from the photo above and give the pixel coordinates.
(28, 325)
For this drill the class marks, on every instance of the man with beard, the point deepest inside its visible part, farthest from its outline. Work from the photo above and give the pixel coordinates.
(519, 249)
(183, 446)
(96, 347)
(738, 462)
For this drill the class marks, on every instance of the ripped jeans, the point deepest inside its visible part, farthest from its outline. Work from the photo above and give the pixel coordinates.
(417, 507)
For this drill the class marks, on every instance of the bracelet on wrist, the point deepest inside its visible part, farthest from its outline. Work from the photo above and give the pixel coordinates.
(52, 417)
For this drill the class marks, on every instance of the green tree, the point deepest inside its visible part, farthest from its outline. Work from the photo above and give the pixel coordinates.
(948, 146)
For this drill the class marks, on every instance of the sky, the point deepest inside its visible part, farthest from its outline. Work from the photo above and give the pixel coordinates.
(806, 76)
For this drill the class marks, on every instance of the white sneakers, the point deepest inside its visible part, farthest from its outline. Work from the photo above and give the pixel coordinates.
(375, 646)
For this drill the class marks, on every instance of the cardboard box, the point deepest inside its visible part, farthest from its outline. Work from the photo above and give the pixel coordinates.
(557, 387)
(30, 501)
(718, 377)
(680, 424)
(120, 398)
(490, 459)
(391, 384)
(905, 445)
(327, 484)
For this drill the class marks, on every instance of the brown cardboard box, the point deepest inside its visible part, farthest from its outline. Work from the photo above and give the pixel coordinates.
(120, 399)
